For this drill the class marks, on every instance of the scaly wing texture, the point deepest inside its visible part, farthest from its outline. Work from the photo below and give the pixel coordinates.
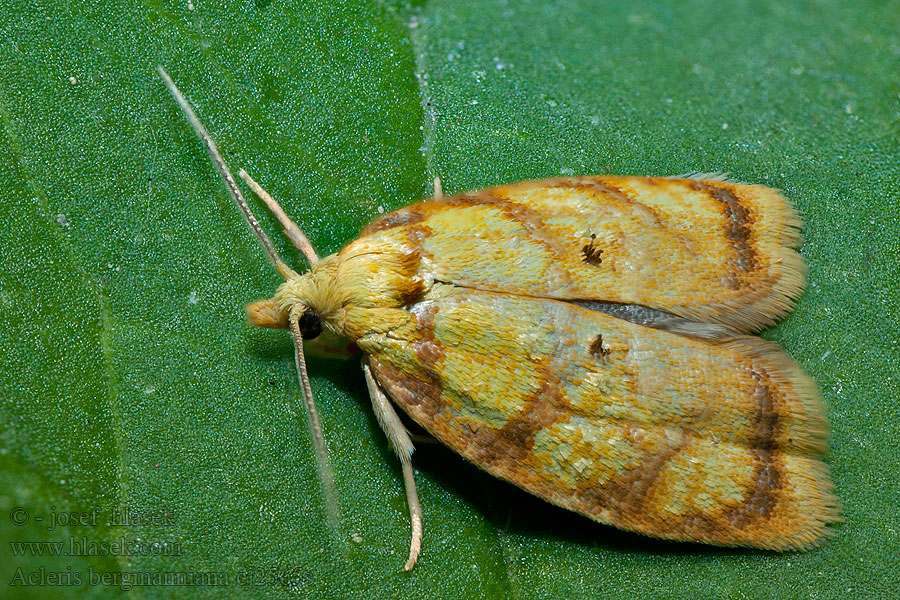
(630, 426)
(710, 251)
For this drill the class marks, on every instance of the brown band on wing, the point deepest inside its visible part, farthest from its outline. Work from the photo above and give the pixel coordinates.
(398, 218)
(530, 220)
(527, 218)
(626, 495)
(766, 415)
(597, 185)
(420, 391)
(541, 409)
(761, 501)
(515, 440)
(701, 526)
(738, 227)
(414, 393)
(761, 498)
(428, 350)
(416, 234)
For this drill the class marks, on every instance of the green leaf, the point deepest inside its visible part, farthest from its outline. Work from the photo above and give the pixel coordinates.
(133, 388)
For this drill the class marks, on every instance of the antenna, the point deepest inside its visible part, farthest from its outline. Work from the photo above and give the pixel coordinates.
(326, 473)
(294, 233)
(216, 157)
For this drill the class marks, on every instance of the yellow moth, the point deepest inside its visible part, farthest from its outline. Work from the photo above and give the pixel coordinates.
(586, 339)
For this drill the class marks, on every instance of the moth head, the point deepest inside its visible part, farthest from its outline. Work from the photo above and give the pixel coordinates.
(312, 295)
(266, 313)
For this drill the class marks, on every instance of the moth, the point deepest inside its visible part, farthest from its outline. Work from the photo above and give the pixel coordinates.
(586, 339)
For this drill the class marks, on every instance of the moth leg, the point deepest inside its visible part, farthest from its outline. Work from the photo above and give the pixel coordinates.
(438, 188)
(403, 446)
(294, 233)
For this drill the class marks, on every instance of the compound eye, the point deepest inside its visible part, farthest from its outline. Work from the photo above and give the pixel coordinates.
(310, 325)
